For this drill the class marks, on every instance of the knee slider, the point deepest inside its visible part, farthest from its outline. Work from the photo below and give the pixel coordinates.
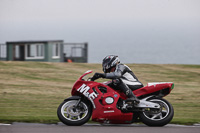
(117, 81)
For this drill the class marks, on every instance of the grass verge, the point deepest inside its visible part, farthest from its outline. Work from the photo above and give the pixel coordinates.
(32, 91)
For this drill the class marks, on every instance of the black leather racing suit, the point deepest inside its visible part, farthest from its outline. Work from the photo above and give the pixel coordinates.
(124, 79)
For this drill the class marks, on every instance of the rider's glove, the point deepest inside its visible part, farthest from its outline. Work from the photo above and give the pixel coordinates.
(98, 75)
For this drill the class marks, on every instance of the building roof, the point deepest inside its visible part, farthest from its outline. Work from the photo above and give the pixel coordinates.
(31, 41)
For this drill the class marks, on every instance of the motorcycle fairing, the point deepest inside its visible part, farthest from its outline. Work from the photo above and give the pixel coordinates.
(105, 111)
(163, 87)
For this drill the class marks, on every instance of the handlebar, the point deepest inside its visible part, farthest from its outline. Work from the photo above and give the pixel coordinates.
(92, 78)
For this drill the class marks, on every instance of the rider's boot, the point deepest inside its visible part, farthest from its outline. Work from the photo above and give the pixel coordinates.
(132, 97)
(128, 92)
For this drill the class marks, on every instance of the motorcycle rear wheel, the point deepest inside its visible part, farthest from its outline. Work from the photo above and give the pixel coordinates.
(74, 116)
(158, 118)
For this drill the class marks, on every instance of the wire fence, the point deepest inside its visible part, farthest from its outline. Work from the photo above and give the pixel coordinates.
(77, 52)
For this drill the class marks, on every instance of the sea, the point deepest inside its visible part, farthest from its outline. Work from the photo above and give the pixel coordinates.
(147, 54)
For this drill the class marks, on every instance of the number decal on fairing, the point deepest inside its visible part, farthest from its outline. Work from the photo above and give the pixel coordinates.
(84, 89)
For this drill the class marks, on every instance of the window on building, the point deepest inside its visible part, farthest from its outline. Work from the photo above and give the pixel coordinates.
(3, 51)
(35, 51)
(56, 51)
(17, 51)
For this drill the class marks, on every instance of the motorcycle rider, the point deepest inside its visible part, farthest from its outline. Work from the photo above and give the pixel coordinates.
(122, 77)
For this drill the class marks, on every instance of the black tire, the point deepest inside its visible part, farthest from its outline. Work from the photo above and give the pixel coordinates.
(162, 117)
(74, 116)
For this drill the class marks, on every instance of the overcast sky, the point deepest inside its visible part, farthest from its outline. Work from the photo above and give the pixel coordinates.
(107, 25)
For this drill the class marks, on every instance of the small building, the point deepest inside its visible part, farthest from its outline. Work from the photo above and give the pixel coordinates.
(48, 51)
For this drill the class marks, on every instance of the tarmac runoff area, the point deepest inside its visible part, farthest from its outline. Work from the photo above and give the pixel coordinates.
(17, 127)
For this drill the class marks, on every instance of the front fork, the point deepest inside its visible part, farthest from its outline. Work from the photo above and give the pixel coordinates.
(77, 104)
(75, 98)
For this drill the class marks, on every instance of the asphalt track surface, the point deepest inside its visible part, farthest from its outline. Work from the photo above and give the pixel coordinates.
(94, 128)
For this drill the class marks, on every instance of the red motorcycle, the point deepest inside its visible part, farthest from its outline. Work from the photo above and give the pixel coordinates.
(107, 105)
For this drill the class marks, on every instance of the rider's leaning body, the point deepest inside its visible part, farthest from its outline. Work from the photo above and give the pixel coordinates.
(122, 76)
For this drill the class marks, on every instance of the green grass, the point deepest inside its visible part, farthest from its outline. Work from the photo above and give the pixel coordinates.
(32, 91)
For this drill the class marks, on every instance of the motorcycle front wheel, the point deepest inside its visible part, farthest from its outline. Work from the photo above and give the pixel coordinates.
(73, 115)
(159, 117)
